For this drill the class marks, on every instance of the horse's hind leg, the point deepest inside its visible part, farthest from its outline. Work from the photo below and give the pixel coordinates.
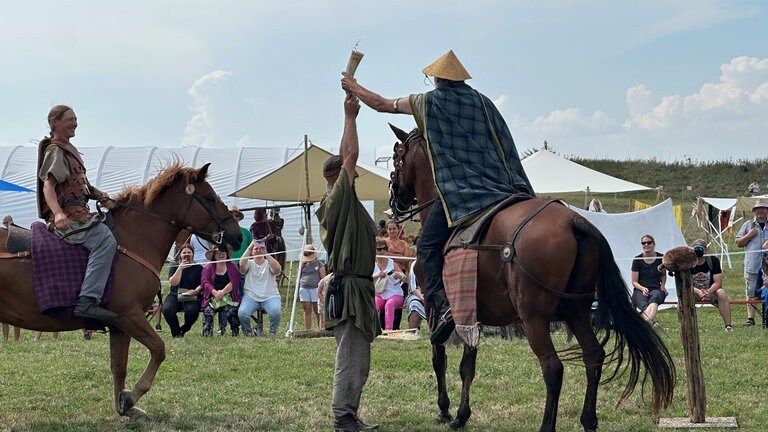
(137, 327)
(551, 368)
(440, 364)
(593, 356)
(467, 371)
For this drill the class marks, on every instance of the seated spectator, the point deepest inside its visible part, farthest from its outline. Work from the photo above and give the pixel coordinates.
(708, 282)
(648, 282)
(221, 291)
(185, 292)
(6, 332)
(414, 303)
(312, 271)
(387, 278)
(381, 230)
(397, 247)
(260, 290)
(596, 206)
(39, 335)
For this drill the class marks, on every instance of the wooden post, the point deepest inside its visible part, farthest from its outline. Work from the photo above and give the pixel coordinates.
(689, 333)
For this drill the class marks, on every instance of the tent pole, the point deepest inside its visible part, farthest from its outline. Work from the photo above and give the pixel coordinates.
(306, 173)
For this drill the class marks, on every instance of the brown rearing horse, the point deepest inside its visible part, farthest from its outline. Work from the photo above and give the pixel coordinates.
(559, 259)
(147, 220)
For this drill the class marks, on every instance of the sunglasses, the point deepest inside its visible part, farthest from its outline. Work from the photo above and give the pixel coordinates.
(646, 243)
(381, 249)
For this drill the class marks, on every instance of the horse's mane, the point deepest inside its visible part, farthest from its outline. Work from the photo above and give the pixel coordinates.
(145, 195)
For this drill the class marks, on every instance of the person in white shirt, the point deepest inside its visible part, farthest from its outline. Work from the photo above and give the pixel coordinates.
(260, 289)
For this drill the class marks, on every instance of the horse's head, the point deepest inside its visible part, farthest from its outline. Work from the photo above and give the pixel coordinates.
(408, 182)
(182, 197)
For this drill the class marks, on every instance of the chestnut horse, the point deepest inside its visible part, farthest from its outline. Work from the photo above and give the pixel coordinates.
(146, 221)
(560, 263)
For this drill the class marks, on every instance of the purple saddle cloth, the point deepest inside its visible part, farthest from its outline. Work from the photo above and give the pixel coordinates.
(58, 270)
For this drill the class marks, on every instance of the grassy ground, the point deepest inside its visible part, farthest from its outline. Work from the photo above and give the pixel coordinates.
(279, 384)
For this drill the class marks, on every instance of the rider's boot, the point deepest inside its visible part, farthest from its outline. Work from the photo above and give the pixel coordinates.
(88, 307)
(444, 324)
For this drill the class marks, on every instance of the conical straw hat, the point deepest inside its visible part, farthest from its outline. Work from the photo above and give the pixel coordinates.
(447, 67)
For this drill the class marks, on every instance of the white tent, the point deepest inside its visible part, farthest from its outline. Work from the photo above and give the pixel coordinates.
(550, 174)
(624, 230)
(112, 168)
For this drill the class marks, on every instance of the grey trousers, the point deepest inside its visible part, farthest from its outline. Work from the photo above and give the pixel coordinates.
(102, 246)
(353, 361)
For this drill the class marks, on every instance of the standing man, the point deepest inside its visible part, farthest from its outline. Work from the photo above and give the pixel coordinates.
(474, 160)
(751, 237)
(348, 234)
(63, 192)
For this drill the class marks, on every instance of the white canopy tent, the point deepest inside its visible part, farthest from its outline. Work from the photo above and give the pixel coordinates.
(550, 173)
(624, 230)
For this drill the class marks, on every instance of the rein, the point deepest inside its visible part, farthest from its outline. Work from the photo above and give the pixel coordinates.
(216, 236)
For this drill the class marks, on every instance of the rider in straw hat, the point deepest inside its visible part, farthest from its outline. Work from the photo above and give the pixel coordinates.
(469, 144)
(751, 237)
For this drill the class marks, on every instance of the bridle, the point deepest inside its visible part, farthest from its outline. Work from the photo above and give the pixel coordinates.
(216, 236)
(403, 211)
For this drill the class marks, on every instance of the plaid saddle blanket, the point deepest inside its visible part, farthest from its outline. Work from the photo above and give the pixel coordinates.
(58, 270)
(460, 279)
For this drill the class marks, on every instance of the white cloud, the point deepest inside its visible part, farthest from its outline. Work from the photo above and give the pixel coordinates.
(500, 101)
(570, 121)
(200, 129)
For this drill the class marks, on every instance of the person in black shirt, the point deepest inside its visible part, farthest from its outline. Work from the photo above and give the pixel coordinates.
(648, 282)
(185, 292)
(708, 282)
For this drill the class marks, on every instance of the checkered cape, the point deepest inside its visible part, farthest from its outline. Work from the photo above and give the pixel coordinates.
(460, 279)
(58, 269)
(473, 154)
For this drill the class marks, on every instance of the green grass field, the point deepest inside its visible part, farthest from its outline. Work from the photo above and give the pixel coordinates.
(280, 384)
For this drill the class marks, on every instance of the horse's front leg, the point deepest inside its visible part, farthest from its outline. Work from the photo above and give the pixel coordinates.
(440, 364)
(467, 371)
(136, 326)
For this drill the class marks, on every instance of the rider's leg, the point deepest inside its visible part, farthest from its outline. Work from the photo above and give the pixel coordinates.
(102, 246)
(434, 234)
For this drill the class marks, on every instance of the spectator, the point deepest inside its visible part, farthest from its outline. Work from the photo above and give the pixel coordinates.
(260, 291)
(312, 271)
(238, 215)
(387, 278)
(596, 206)
(221, 291)
(277, 221)
(348, 234)
(185, 292)
(397, 247)
(708, 282)
(751, 237)
(6, 332)
(414, 303)
(648, 282)
(39, 335)
(753, 189)
(382, 229)
(201, 247)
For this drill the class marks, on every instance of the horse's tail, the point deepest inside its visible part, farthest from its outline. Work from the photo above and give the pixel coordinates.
(616, 314)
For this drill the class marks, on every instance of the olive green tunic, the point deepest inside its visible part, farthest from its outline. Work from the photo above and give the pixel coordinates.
(349, 236)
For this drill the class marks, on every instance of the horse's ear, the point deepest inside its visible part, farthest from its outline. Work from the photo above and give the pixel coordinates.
(399, 133)
(202, 173)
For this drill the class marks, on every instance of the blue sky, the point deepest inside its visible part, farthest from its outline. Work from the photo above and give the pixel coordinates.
(658, 78)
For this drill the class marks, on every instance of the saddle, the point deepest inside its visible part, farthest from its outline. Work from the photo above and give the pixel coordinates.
(470, 232)
(19, 241)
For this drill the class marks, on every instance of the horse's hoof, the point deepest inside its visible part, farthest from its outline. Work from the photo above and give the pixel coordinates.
(136, 413)
(443, 418)
(124, 402)
(457, 424)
